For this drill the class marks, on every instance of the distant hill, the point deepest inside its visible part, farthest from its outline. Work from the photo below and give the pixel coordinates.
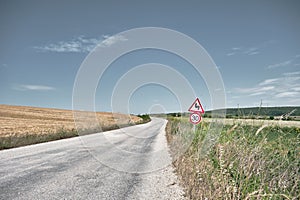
(261, 111)
(251, 112)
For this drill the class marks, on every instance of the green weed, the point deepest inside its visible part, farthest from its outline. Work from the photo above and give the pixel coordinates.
(246, 162)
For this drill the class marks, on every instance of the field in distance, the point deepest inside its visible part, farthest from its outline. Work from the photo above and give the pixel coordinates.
(22, 125)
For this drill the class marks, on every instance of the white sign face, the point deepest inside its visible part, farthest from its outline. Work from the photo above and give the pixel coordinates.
(196, 107)
(195, 118)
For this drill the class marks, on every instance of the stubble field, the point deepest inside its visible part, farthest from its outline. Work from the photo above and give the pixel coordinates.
(22, 125)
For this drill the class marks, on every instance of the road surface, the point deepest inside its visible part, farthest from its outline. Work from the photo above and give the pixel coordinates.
(130, 163)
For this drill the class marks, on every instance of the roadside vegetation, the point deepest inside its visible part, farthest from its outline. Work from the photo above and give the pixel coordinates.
(12, 141)
(146, 118)
(247, 161)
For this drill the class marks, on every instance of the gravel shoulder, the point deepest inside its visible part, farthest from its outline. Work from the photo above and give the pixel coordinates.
(163, 183)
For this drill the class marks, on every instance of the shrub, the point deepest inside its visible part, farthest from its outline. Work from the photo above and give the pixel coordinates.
(145, 117)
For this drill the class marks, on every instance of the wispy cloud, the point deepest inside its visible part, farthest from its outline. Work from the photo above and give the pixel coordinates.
(291, 73)
(287, 94)
(81, 44)
(293, 61)
(33, 88)
(269, 81)
(253, 53)
(243, 51)
(110, 40)
(234, 50)
(297, 89)
(284, 88)
(250, 51)
(253, 91)
(257, 93)
(281, 64)
(231, 54)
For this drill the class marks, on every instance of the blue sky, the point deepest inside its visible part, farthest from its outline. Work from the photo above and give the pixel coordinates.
(255, 45)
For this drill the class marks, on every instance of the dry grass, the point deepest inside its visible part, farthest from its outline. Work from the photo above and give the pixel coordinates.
(19, 122)
(242, 164)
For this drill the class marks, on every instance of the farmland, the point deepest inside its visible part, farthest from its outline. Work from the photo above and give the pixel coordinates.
(287, 113)
(22, 125)
(257, 122)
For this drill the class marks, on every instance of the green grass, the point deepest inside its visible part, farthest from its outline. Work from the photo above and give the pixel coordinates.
(242, 164)
(146, 118)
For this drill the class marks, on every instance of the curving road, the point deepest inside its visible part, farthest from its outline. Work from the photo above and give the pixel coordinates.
(129, 163)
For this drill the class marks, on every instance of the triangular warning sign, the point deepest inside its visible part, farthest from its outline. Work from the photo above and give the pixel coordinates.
(196, 107)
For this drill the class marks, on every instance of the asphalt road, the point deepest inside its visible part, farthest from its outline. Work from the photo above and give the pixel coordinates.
(130, 163)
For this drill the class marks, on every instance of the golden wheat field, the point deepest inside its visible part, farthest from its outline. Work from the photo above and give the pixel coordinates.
(24, 120)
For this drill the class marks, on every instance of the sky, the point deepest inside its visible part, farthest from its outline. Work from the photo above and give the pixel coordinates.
(254, 44)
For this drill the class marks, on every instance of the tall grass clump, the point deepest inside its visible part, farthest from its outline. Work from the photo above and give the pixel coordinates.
(247, 162)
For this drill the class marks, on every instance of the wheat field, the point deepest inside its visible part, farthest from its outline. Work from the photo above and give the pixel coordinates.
(16, 121)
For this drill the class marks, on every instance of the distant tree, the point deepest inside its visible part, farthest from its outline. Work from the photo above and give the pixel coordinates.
(145, 117)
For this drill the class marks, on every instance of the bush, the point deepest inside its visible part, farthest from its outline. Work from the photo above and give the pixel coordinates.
(145, 117)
